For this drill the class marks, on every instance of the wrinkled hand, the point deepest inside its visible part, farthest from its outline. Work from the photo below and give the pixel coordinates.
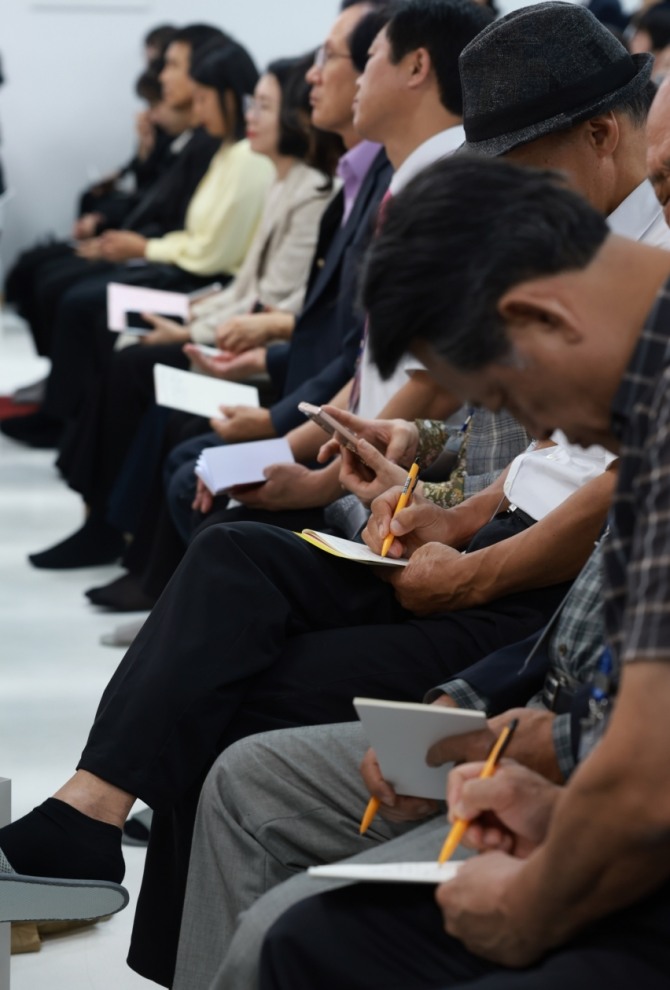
(394, 807)
(395, 438)
(419, 523)
(165, 331)
(509, 811)
(122, 245)
(231, 367)
(532, 744)
(369, 474)
(482, 908)
(240, 423)
(288, 486)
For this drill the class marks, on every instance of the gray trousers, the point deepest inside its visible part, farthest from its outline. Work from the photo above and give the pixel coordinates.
(274, 804)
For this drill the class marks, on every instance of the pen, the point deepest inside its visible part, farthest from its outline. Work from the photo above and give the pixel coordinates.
(405, 496)
(460, 826)
(370, 812)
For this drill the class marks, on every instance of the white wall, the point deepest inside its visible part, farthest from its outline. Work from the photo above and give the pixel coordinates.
(67, 105)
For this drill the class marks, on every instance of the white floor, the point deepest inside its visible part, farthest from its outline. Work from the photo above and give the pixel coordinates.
(52, 672)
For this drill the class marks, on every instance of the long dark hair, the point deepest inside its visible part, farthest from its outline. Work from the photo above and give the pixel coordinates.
(227, 68)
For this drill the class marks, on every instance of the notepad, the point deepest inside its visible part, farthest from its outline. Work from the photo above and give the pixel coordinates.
(348, 549)
(431, 872)
(199, 394)
(123, 299)
(222, 468)
(401, 733)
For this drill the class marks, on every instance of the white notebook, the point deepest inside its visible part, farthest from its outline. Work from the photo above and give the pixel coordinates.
(199, 394)
(221, 468)
(122, 299)
(358, 552)
(401, 733)
(431, 872)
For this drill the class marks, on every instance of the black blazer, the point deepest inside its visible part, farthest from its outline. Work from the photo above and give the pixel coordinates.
(321, 355)
(163, 207)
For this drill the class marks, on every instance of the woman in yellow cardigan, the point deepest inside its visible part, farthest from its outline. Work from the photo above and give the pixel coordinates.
(226, 207)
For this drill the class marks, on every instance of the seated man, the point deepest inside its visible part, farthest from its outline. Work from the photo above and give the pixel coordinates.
(276, 803)
(574, 879)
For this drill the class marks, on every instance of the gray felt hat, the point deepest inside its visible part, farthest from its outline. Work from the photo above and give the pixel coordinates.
(542, 69)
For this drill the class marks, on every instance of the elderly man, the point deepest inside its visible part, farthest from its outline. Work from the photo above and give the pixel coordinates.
(575, 879)
(598, 139)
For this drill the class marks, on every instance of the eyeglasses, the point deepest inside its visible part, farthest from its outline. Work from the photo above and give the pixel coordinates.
(324, 55)
(251, 105)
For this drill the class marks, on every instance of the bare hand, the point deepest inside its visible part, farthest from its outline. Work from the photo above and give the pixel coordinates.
(395, 438)
(240, 423)
(86, 226)
(204, 499)
(394, 807)
(231, 367)
(288, 486)
(510, 810)
(122, 245)
(165, 331)
(419, 523)
(369, 474)
(532, 744)
(90, 250)
(240, 333)
(481, 907)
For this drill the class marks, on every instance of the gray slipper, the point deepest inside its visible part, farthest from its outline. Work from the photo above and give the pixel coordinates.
(26, 898)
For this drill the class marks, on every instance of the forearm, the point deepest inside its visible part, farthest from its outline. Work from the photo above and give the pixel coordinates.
(609, 840)
(420, 397)
(549, 552)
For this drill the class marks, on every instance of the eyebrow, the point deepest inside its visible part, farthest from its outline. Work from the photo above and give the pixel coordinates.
(661, 173)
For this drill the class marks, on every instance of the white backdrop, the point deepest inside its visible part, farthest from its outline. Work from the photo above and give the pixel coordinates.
(67, 104)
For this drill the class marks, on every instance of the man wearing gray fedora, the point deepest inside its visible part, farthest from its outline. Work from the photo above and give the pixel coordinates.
(545, 86)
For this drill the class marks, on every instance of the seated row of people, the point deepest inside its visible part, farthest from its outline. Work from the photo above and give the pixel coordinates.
(260, 631)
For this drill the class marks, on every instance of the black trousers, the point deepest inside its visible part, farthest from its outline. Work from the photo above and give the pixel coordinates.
(387, 937)
(259, 630)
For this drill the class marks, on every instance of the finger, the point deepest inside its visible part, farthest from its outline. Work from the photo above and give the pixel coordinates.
(370, 455)
(346, 418)
(398, 446)
(467, 747)
(374, 781)
(327, 451)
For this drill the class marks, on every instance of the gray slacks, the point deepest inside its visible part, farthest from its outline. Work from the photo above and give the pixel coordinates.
(274, 804)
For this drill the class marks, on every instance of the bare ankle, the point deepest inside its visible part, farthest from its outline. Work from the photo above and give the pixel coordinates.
(96, 798)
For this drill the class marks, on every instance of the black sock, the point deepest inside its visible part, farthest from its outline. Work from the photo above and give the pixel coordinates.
(96, 542)
(56, 840)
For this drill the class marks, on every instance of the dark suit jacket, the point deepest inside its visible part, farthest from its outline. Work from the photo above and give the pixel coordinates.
(163, 207)
(321, 356)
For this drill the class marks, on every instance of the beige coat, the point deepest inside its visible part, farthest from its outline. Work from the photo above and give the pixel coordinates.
(276, 268)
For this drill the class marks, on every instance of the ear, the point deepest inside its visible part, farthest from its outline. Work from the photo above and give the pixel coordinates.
(603, 133)
(538, 307)
(420, 67)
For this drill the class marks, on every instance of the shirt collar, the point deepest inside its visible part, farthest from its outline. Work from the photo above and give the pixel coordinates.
(436, 147)
(638, 212)
(352, 169)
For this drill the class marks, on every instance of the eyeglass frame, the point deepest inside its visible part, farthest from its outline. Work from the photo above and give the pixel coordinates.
(323, 56)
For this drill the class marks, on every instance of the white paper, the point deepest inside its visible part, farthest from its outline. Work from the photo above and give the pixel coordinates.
(431, 872)
(401, 733)
(350, 549)
(199, 394)
(122, 299)
(221, 468)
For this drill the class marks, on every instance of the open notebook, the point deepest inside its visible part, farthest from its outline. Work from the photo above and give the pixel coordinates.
(431, 872)
(348, 549)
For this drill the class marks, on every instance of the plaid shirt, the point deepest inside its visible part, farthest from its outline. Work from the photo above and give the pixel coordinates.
(636, 571)
(574, 647)
(492, 441)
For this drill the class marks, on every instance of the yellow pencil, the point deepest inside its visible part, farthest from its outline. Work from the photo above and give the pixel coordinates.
(405, 496)
(460, 826)
(370, 812)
